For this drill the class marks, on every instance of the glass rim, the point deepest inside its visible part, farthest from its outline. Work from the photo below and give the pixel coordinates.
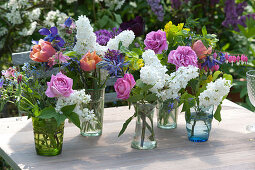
(249, 73)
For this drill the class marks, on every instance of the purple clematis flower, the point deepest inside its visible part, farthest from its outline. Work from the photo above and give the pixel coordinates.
(52, 34)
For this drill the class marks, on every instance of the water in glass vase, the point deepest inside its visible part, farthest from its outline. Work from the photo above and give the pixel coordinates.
(94, 127)
(48, 136)
(199, 124)
(144, 137)
(167, 114)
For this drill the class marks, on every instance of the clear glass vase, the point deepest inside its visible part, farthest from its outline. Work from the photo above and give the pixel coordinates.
(199, 123)
(48, 136)
(144, 137)
(94, 128)
(167, 114)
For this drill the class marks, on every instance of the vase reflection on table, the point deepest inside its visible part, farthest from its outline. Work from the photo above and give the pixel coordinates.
(251, 93)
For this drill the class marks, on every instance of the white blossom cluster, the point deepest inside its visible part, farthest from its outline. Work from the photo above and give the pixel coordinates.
(26, 32)
(214, 93)
(86, 38)
(80, 98)
(165, 86)
(112, 3)
(54, 18)
(70, 1)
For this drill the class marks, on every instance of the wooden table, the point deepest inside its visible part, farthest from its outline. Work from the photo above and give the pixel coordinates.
(229, 146)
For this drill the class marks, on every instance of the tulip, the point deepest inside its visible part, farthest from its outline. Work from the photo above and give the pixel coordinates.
(42, 52)
(201, 50)
(89, 61)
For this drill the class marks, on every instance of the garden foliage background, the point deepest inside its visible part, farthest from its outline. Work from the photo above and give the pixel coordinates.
(20, 21)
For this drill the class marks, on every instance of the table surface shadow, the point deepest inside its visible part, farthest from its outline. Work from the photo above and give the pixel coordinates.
(230, 146)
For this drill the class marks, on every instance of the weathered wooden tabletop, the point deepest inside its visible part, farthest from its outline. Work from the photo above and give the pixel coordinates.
(229, 146)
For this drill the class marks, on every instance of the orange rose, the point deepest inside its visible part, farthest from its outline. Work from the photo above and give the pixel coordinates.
(200, 49)
(89, 61)
(42, 52)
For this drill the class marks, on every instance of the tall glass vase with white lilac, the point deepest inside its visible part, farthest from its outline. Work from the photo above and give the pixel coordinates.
(91, 54)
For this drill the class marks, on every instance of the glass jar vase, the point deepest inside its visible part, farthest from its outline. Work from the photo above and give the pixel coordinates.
(144, 137)
(48, 136)
(95, 127)
(167, 114)
(198, 123)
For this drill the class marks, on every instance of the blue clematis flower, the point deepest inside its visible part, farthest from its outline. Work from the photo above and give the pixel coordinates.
(68, 22)
(52, 35)
(210, 62)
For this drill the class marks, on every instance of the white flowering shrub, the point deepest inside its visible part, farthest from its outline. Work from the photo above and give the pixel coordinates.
(115, 4)
(22, 18)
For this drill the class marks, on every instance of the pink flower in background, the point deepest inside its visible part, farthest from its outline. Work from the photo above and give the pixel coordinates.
(156, 41)
(123, 86)
(58, 58)
(200, 49)
(10, 72)
(59, 85)
(183, 56)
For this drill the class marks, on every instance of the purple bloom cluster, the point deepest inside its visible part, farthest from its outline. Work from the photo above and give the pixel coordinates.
(137, 25)
(157, 8)
(176, 4)
(103, 36)
(234, 13)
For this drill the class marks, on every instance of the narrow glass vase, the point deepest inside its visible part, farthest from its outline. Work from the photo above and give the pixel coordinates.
(48, 136)
(144, 137)
(167, 114)
(199, 124)
(94, 128)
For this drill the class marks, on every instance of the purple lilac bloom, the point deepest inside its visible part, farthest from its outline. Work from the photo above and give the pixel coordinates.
(157, 8)
(137, 25)
(242, 19)
(214, 2)
(233, 13)
(103, 35)
(176, 4)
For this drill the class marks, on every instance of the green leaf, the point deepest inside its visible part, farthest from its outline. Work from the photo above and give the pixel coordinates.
(68, 109)
(204, 31)
(137, 51)
(124, 127)
(48, 112)
(243, 92)
(225, 47)
(118, 18)
(228, 77)
(216, 75)
(74, 118)
(70, 53)
(103, 21)
(135, 98)
(60, 118)
(217, 114)
(151, 97)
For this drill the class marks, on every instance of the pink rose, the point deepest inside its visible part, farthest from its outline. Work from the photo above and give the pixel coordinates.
(183, 56)
(156, 41)
(59, 85)
(124, 85)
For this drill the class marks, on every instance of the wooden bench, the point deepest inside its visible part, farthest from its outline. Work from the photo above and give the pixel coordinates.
(23, 57)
